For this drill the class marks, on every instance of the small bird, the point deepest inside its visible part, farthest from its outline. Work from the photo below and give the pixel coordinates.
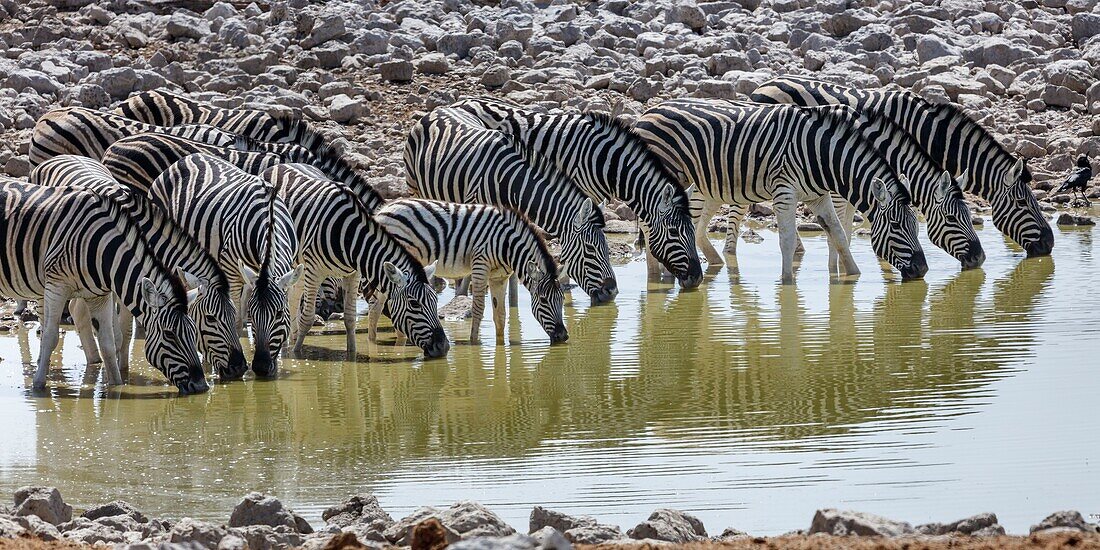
(1078, 181)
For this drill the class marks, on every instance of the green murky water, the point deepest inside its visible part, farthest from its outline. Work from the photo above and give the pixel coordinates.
(748, 403)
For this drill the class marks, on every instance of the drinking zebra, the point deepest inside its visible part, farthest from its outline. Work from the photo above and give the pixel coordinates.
(88, 133)
(951, 138)
(240, 219)
(70, 242)
(486, 243)
(337, 237)
(450, 155)
(212, 309)
(741, 154)
(935, 193)
(608, 160)
(137, 160)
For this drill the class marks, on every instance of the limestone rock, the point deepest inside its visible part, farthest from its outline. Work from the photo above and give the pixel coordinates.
(44, 502)
(982, 525)
(845, 522)
(669, 525)
(261, 509)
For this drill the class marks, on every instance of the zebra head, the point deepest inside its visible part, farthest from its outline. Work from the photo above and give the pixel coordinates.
(216, 319)
(894, 230)
(170, 336)
(584, 253)
(411, 303)
(270, 315)
(1016, 212)
(672, 237)
(547, 299)
(949, 223)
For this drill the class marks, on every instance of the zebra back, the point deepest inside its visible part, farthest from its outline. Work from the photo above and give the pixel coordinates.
(86, 132)
(167, 108)
(137, 160)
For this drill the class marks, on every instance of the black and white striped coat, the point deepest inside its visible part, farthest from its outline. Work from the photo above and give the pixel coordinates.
(487, 243)
(450, 155)
(240, 219)
(337, 237)
(88, 133)
(60, 243)
(212, 307)
(742, 154)
(137, 160)
(951, 138)
(608, 160)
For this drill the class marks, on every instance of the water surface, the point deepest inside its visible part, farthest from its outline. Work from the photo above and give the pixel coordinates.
(748, 403)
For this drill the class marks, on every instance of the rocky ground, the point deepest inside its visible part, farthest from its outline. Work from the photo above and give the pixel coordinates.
(1026, 69)
(263, 522)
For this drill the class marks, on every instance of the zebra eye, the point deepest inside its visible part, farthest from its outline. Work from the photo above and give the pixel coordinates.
(951, 218)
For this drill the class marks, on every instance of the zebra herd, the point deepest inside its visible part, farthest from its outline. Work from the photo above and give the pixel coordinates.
(199, 221)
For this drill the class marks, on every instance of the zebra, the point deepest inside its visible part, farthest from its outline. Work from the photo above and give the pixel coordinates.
(86, 132)
(607, 159)
(167, 108)
(742, 154)
(337, 237)
(136, 161)
(212, 309)
(486, 243)
(935, 193)
(954, 140)
(241, 220)
(71, 242)
(450, 155)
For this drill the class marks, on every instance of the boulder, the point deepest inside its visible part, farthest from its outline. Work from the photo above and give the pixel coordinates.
(496, 76)
(511, 542)
(10, 528)
(362, 515)
(845, 522)
(688, 13)
(541, 518)
(551, 539)
(433, 63)
(38, 527)
(263, 537)
(467, 519)
(324, 29)
(261, 509)
(346, 110)
(38, 81)
(115, 508)
(931, 47)
(996, 50)
(1060, 96)
(201, 533)
(1067, 519)
(183, 25)
(594, 534)
(44, 502)
(669, 525)
(396, 71)
(981, 525)
(1084, 26)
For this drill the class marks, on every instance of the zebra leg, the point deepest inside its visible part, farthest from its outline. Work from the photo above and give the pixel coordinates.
(52, 304)
(102, 310)
(702, 239)
(496, 290)
(513, 290)
(834, 231)
(734, 218)
(20, 307)
(786, 205)
(479, 283)
(372, 317)
(84, 329)
(307, 288)
(462, 286)
(238, 292)
(125, 333)
(350, 284)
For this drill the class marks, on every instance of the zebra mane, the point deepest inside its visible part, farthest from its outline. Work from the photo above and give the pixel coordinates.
(616, 124)
(841, 126)
(263, 281)
(365, 213)
(971, 127)
(513, 216)
(142, 206)
(117, 202)
(298, 130)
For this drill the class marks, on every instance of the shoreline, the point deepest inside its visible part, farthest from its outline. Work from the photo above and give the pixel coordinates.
(41, 518)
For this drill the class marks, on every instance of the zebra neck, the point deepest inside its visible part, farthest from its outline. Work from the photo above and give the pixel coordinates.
(905, 155)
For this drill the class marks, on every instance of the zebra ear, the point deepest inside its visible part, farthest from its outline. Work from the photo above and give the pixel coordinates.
(188, 279)
(878, 190)
(690, 191)
(247, 273)
(1016, 174)
(584, 214)
(289, 278)
(429, 270)
(152, 296)
(668, 195)
(944, 187)
(395, 275)
(534, 270)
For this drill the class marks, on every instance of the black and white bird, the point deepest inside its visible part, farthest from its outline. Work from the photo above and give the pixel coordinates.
(1078, 181)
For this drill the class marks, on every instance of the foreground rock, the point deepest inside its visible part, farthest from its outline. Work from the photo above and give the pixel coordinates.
(44, 502)
(575, 529)
(671, 526)
(981, 525)
(361, 515)
(846, 522)
(260, 509)
(466, 519)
